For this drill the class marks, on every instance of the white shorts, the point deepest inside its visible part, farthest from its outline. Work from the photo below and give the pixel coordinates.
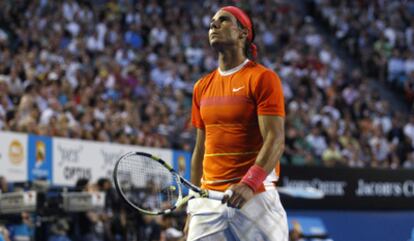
(262, 218)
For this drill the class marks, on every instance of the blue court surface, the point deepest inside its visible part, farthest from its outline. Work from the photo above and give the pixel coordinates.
(355, 225)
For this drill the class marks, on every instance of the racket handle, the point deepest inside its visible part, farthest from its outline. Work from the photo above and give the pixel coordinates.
(215, 195)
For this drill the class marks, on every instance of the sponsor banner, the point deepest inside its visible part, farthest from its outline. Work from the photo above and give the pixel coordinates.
(74, 159)
(182, 163)
(40, 158)
(13, 156)
(351, 188)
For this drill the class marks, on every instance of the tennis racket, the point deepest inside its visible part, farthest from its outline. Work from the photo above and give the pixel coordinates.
(151, 186)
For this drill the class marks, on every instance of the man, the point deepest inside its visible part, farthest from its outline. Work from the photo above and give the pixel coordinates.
(238, 111)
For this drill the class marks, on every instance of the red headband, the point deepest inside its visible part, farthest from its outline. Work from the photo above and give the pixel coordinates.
(245, 21)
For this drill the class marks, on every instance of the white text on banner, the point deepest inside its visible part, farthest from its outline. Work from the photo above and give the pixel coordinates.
(74, 159)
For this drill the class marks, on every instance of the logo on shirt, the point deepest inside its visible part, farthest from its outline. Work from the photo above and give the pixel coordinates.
(237, 89)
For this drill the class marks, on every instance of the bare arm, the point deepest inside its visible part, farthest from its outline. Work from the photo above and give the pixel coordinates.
(272, 129)
(196, 168)
(197, 158)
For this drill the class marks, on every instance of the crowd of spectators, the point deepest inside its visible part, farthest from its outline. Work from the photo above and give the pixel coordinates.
(123, 71)
(378, 33)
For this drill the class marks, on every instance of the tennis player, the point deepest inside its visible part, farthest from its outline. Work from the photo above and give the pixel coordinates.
(238, 111)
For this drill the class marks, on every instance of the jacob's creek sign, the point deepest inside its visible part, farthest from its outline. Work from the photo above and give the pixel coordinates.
(330, 188)
(385, 189)
(13, 156)
(349, 188)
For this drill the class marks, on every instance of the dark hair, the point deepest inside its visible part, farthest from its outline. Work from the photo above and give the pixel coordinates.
(247, 43)
(81, 184)
(101, 182)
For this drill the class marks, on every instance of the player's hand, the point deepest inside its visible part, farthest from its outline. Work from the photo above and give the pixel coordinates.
(241, 194)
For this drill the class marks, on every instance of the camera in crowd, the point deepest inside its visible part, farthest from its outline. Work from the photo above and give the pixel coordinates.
(45, 200)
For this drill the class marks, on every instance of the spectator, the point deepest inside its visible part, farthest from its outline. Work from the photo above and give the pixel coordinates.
(105, 186)
(59, 231)
(317, 141)
(4, 187)
(24, 230)
(88, 225)
(409, 130)
(4, 234)
(332, 155)
(380, 149)
(169, 229)
(152, 229)
(409, 162)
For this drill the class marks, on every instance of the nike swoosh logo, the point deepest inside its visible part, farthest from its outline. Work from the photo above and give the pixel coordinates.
(237, 89)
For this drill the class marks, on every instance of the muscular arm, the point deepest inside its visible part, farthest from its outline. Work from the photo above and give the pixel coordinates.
(272, 129)
(197, 158)
(196, 167)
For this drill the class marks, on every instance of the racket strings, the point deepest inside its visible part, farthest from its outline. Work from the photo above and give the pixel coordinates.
(147, 183)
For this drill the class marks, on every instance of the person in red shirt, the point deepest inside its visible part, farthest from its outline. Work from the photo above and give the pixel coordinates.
(238, 110)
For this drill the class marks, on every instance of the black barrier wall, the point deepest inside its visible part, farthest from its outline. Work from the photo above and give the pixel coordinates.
(347, 188)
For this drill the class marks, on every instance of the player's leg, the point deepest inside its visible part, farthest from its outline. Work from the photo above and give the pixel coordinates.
(225, 235)
(262, 218)
(208, 220)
